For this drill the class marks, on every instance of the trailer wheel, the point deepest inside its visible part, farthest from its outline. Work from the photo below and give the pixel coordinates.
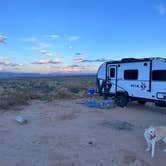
(105, 97)
(160, 104)
(141, 102)
(122, 100)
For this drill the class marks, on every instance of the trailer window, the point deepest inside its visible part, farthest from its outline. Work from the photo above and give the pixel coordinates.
(112, 72)
(159, 75)
(131, 74)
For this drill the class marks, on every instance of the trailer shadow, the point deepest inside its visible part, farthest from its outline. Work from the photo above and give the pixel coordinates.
(148, 106)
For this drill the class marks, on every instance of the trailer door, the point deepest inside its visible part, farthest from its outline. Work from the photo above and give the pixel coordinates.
(112, 78)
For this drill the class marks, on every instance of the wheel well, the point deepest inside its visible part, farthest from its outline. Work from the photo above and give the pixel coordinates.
(122, 93)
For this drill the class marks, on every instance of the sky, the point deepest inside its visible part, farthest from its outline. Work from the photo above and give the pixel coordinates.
(77, 36)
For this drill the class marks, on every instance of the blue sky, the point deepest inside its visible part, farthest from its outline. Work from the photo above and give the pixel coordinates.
(78, 35)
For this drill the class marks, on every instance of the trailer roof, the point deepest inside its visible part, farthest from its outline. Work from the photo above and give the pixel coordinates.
(128, 60)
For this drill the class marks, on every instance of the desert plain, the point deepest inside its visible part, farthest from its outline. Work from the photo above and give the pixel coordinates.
(61, 131)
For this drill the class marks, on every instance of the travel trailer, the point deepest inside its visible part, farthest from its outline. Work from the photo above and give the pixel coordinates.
(133, 79)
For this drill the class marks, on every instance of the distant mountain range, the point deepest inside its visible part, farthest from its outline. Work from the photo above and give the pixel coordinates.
(14, 74)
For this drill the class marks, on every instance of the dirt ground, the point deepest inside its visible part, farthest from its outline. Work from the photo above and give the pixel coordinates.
(66, 133)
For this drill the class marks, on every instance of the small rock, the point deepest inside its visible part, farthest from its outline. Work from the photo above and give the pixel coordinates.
(90, 143)
(21, 120)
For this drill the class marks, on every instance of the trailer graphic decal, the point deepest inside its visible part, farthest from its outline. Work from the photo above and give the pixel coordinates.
(142, 86)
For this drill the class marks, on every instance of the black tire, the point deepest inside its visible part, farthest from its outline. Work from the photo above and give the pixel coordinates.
(122, 100)
(105, 97)
(141, 102)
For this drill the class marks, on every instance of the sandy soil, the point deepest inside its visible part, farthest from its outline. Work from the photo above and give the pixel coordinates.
(66, 133)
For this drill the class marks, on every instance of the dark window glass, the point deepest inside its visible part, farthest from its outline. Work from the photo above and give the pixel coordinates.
(159, 75)
(112, 72)
(131, 74)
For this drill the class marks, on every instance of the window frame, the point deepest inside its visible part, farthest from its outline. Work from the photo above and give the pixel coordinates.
(110, 72)
(157, 76)
(128, 75)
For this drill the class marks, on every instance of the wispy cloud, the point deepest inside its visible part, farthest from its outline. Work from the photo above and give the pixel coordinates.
(73, 38)
(81, 60)
(46, 53)
(78, 60)
(44, 61)
(78, 53)
(53, 36)
(5, 61)
(8, 63)
(76, 69)
(3, 38)
(45, 45)
(49, 54)
(3, 58)
(16, 64)
(161, 9)
(74, 66)
(41, 46)
(43, 52)
(30, 39)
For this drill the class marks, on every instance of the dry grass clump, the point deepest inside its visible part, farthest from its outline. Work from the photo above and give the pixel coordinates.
(63, 93)
(8, 100)
(19, 91)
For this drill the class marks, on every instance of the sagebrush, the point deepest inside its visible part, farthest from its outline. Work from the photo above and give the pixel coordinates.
(19, 91)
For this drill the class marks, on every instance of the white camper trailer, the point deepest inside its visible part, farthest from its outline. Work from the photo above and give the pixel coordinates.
(133, 80)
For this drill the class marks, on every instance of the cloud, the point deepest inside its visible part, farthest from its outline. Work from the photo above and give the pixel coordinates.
(49, 54)
(41, 46)
(44, 61)
(74, 66)
(46, 53)
(81, 60)
(53, 36)
(78, 53)
(161, 9)
(73, 38)
(3, 38)
(41, 61)
(76, 69)
(10, 64)
(54, 61)
(16, 64)
(45, 45)
(96, 60)
(3, 58)
(78, 60)
(5, 61)
(43, 51)
(30, 39)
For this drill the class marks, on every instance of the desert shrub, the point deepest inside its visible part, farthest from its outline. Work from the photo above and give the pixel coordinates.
(13, 99)
(62, 93)
(74, 89)
(43, 87)
(18, 91)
